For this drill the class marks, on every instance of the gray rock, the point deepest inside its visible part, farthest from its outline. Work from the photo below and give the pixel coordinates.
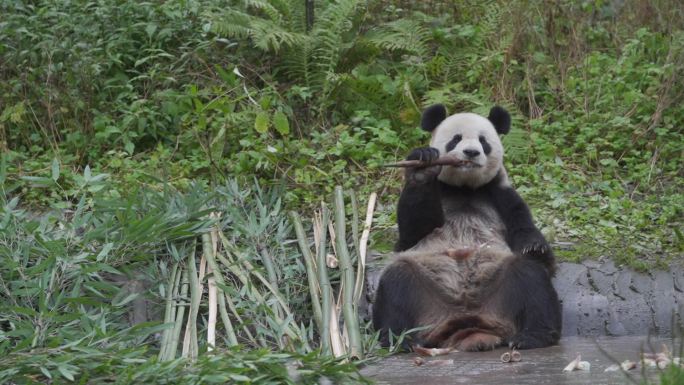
(663, 302)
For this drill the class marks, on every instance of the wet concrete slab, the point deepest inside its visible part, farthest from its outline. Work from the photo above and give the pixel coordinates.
(537, 367)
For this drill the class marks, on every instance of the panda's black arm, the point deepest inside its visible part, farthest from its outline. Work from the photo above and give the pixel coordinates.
(419, 212)
(522, 235)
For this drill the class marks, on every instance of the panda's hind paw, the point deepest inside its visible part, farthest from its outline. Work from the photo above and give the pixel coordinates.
(533, 340)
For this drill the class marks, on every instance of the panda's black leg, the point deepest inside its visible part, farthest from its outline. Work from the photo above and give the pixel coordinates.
(401, 298)
(526, 291)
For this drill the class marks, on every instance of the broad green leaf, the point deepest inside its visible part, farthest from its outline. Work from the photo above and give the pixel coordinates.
(13, 203)
(87, 173)
(150, 29)
(105, 251)
(129, 147)
(281, 124)
(126, 300)
(261, 123)
(64, 371)
(239, 378)
(46, 372)
(38, 181)
(55, 169)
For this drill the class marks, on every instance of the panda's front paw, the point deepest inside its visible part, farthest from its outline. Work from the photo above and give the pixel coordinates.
(425, 154)
(536, 250)
(421, 175)
(530, 243)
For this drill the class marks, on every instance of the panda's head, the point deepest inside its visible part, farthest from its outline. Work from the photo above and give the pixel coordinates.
(471, 137)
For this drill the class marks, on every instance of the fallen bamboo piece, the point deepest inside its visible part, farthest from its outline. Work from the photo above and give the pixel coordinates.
(218, 281)
(363, 246)
(441, 161)
(180, 315)
(512, 356)
(190, 343)
(310, 269)
(320, 225)
(351, 321)
(431, 352)
(230, 263)
(355, 222)
(169, 312)
(209, 250)
(420, 361)
(336, 343)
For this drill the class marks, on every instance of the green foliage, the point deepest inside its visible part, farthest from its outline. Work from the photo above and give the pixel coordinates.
(116, 118)
(179, 90)
(672, 375)
(65, 300)
(91, 76)
(85, 363)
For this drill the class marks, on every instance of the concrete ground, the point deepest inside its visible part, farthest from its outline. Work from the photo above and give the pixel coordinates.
(537, 367)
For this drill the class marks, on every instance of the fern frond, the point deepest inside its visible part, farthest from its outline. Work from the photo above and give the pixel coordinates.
(405, 35)
(266, 34)
(231, 23)
(516, 143)
(271, 37)
(265, 6)
(328, 35)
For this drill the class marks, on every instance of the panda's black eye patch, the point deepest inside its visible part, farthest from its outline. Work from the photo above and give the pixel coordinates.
(486, 147)
(453, 142)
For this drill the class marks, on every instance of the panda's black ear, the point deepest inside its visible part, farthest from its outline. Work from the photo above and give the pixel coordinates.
(432, 117)
(501, 119)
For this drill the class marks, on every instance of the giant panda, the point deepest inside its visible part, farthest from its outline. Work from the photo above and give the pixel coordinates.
(471, 270)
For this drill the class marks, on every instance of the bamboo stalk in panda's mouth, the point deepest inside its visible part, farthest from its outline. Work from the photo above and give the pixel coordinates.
(441, 161)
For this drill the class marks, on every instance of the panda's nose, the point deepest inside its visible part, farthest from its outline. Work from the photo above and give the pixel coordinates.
(470, 153)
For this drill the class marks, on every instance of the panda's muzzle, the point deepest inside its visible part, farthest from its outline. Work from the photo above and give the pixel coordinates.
(471, 153)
